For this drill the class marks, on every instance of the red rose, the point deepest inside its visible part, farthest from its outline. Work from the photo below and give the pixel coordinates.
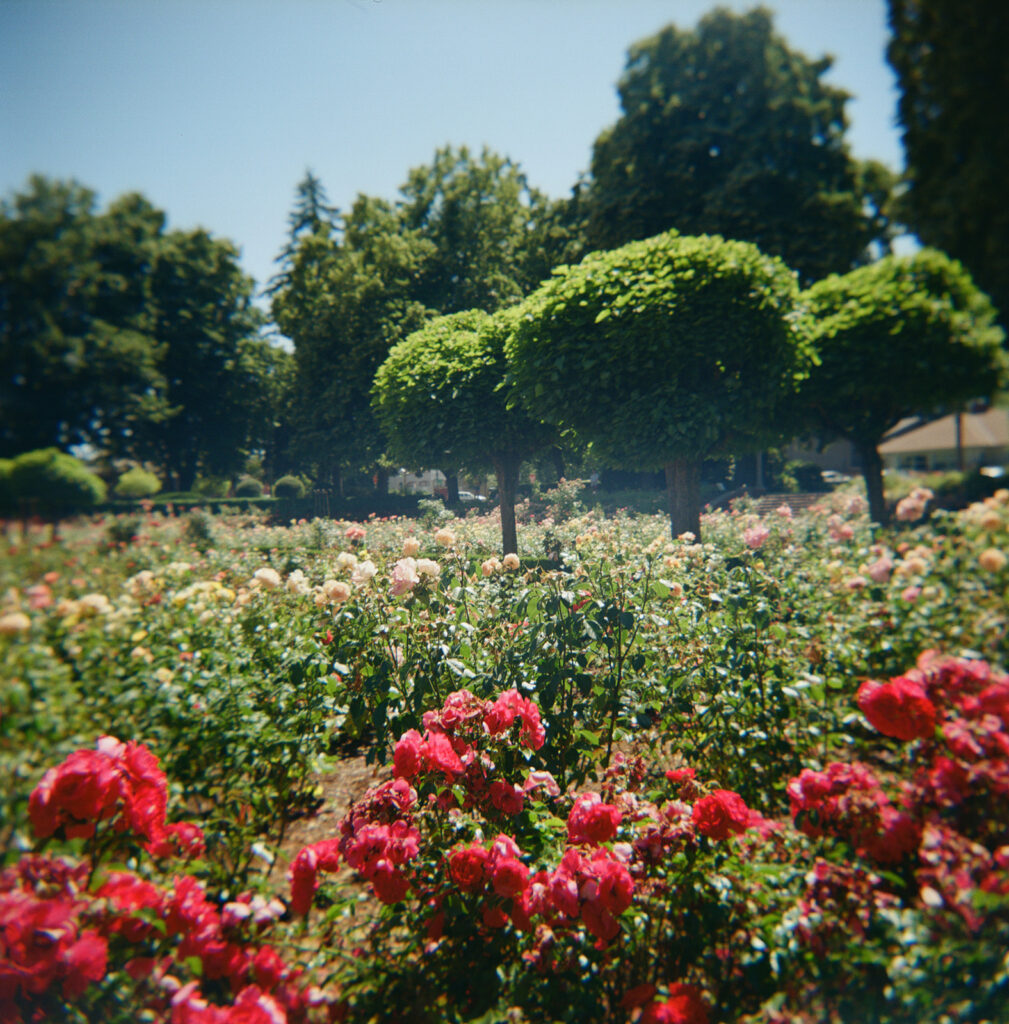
(408, 755)
(467, 867)
(684, 1006)
(721, 814)
(508, 799)
(898, 708)
(509, 877)
(592, 821)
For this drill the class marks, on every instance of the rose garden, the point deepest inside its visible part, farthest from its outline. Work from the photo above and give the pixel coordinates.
(763, 777)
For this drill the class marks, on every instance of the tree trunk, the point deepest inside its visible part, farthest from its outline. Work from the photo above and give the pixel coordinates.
(452, 487)
(961, 462)
(507, 470)
(872, 473)
(382, 481)
(683, 494)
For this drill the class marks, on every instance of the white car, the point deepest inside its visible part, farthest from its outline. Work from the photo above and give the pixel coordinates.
(470, 496)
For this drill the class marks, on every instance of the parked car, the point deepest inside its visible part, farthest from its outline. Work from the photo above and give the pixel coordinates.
(470, 496)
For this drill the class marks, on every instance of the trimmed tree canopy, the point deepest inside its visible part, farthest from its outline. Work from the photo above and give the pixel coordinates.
(904, 335)
(671, 349)
(440, 401)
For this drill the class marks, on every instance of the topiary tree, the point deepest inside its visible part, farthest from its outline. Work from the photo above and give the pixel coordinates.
(248, 487)
(903, 336)
(663, 353)
(440, 398)
(289, 487)
(52, 484)
(137, 483)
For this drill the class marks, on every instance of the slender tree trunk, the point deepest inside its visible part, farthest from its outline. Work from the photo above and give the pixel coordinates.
(872, 473)
(683, 494)
(452, 486)
(557, 458)
(382, 481)
(507, 469)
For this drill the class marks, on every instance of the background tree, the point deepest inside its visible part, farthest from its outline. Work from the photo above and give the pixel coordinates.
(441, 400)
(950, 61)
(77, 360)
(900, 336)
(493, 237)
(663, 353)
(345, 303)
(726, 130)
(206, 327)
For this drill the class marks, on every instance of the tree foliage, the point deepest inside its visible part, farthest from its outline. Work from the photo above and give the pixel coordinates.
(726, 130)
(902, 336)
(662, 353)
(205, 324)
(493, 236)
(347, 301)
(441, 400)
(950, 63)
(54, 484)
(77, 361)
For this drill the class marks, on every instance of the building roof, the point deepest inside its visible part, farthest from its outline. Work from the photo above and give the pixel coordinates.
(988, 429)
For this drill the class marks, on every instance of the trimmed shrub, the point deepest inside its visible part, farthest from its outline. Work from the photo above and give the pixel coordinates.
(54, 483)
(248, 487)
(137, 483)
(289, 487)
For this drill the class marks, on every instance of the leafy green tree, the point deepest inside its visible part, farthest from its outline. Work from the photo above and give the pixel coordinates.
(205, 324)
(663, 353)
(347, 301)
(726, 130)
(441, 400)
(77, 361)
(53, 484)
(493, 236)
(898, 337)
(950, 61)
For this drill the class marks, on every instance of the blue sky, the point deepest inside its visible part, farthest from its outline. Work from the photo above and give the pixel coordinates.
(214, 108)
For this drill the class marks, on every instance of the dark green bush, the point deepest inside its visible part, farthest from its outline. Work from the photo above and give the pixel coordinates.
(289, 487)
(54, 484)
(248, 487)
(137, 483)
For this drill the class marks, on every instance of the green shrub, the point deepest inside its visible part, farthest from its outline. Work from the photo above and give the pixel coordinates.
(289, 487)
(248, 487)
(54, 483)
(137, 483)
(6, 492)
(211, 486)
(198, 530)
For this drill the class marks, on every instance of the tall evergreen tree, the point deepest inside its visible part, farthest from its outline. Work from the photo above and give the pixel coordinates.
(950, 60)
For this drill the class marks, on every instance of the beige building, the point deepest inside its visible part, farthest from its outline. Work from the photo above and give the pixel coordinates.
(983, 436)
